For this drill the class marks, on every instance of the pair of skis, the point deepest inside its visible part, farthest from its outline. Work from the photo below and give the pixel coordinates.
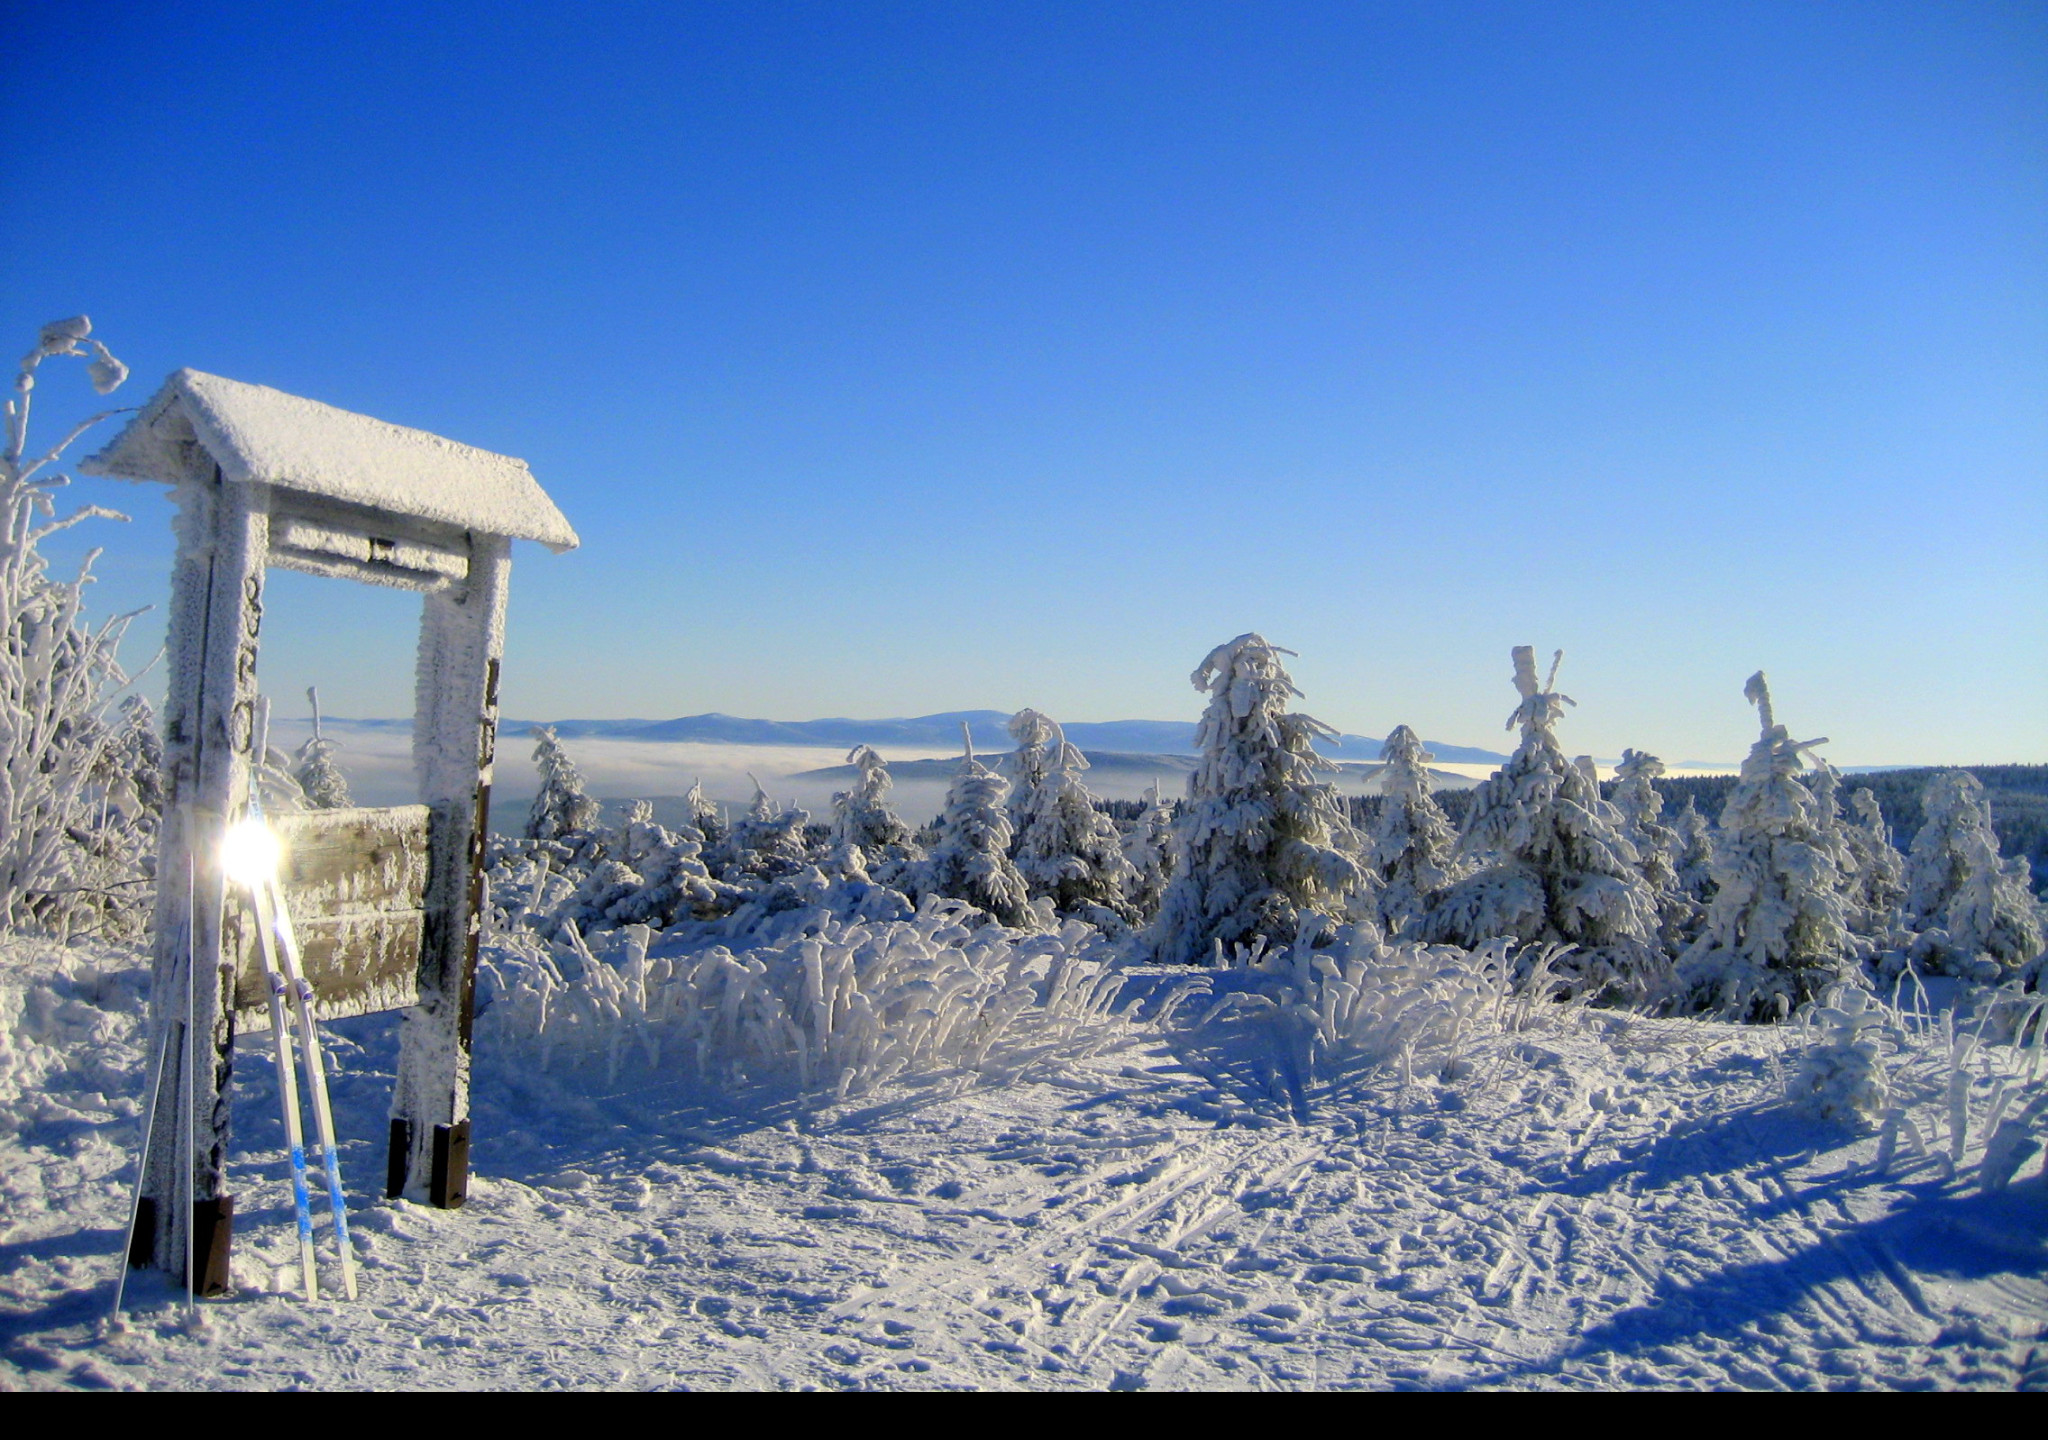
(291, 991)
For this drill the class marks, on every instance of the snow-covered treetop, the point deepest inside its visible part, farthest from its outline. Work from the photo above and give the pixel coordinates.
(1775, 753)
(1405, 776)
(1541, 707)
(257, 435)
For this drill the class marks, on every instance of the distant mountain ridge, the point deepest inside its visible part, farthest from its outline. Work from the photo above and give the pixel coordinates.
(942, 733)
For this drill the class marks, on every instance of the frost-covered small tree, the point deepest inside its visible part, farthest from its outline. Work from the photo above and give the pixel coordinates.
(1262, 846)
(1657, 844)
(672, 881)
(562, 807)
(970, 854)
(325, 787)
(1877, 898)
(1029, 765)
(58, 674)
(1414, 848)
(1552, 862)
(704, 814)
(1693, 854)
(1149, 848)
(1775, 935)
(1065, 847)
(1975, 911)
(764, 845)
(862, 816)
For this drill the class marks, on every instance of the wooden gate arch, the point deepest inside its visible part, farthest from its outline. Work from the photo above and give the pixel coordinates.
(389, 897)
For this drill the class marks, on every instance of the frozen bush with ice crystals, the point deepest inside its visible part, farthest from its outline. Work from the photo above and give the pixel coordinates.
(58, 676)
(764, 845)
(1065, 848)
(1149, 849)
(837, 1008)
(313, 767)
(1414, 848)
(1775, 935)
(563, 807)
(1261, 844)
(970, 854)
(1841, 1074)
(1551, 861)
(1974, 910)
(1356, 1002)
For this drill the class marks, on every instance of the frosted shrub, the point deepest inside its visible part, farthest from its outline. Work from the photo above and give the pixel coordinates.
(1261, 844)
(58, 675)
(1357, 1003)
(1841, 1074)
(834, 1010)
(764, 845)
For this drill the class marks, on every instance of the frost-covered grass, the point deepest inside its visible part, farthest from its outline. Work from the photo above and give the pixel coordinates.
(831, 1004)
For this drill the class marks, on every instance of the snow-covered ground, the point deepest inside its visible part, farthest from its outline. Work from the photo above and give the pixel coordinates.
(1594, 1200)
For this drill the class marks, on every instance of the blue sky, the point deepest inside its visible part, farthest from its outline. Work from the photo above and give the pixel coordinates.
(895, 358)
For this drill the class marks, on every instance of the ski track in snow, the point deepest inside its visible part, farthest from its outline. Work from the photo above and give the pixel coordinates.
(1603, 1204)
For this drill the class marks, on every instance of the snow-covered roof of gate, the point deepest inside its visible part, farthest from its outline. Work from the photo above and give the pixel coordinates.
(264, 436)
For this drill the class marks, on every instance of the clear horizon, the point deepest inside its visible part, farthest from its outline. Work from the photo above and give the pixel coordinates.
(899, 359)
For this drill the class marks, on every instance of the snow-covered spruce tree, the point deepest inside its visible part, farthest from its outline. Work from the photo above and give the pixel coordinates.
(862, 819)
(1693, 854)
(1640, 806)
(1877, 898)
(970, 854)
(1552, 862)
(325, 787)
(562, 807)
(1775, 934)
(1872, 928)
(1065, 847)
(765, 845)
(1975, 911)
(1029, 765)
(58, 675)
(672, 882)
(704, 814)
(1414, 848)
(1149, 848)
(1261, 846)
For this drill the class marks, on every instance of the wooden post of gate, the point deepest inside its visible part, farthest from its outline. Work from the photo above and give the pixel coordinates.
(386, 900)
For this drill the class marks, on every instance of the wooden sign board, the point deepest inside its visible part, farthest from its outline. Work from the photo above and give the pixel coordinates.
(355, 882)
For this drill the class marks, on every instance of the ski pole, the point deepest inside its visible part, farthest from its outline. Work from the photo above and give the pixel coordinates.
(250, 855)
(156, 1090)
(186, 1117)
(316, 1079)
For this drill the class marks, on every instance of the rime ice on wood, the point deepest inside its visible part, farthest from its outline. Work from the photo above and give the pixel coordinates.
(263, 478)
